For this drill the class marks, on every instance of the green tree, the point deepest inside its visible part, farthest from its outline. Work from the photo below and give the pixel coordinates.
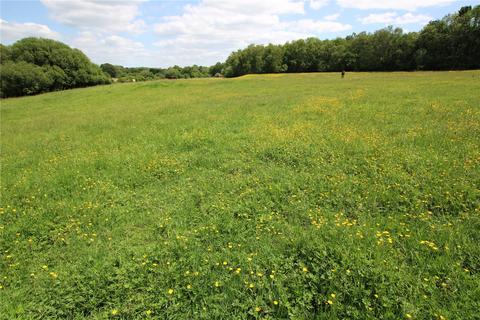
(22, 78)
(109, 69)
(273, 59)
(216, 69)
(5, 54)
(173, 73)
(60, 66)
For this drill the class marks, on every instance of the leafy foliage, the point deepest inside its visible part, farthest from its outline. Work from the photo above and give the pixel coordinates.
(34, 65)
(109, 69)
(22, 78)
(125, 74)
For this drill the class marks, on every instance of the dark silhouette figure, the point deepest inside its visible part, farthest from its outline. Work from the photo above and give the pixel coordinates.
(343, 74)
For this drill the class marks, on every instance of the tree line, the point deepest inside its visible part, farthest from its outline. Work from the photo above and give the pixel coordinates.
(452, 43)
(125, 74)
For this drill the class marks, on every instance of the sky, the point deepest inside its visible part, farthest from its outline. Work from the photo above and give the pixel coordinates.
(162, 33)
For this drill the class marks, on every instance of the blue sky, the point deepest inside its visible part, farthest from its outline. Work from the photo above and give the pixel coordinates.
(160, 33)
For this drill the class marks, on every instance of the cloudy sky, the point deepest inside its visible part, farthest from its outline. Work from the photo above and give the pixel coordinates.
(160, 33)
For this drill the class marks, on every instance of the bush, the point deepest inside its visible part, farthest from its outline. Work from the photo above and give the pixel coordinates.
(22, 78)
(34, 65)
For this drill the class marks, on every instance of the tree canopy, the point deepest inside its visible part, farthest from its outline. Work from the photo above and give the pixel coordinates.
(36, 65)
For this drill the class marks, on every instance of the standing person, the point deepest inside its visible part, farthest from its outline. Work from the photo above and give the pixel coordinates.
(343, 74)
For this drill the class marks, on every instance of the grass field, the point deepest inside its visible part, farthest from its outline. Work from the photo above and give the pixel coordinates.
(276, 197)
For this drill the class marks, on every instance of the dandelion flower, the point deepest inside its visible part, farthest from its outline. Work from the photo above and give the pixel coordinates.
(148, 312)
(275, 302)
(304, 269)
(114, 312)
(330, 302)
(170, 291)
(258, 309)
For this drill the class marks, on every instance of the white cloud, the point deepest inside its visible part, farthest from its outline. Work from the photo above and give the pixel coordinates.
(315, 26)
(111, 48)
(332, 17)
(394, 18)
(317, 4)
(99, 15)
(209, 31)
(254, 6)
(392, 4)
(12, 31)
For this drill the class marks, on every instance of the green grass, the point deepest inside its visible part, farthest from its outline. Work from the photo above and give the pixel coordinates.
(276, 197)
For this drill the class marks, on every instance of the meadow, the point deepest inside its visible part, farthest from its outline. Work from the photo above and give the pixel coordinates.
(290, 196)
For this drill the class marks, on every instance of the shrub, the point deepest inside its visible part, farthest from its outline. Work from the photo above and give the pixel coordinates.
(34, 65)
(22, 78)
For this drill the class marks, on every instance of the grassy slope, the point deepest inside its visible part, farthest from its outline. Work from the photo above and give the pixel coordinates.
(215, 199)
